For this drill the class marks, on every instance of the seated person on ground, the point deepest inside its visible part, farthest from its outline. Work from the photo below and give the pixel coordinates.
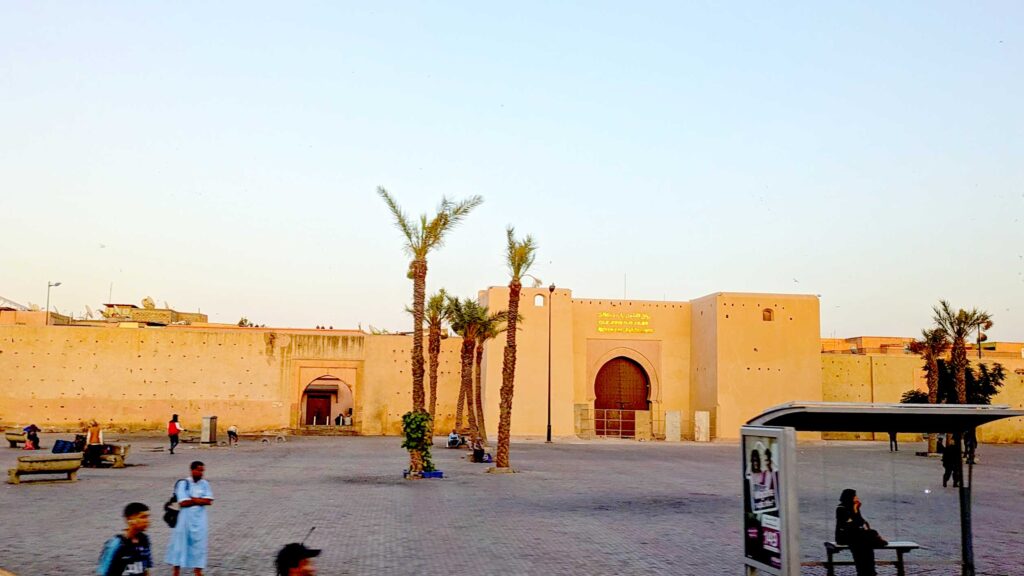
(454, 440)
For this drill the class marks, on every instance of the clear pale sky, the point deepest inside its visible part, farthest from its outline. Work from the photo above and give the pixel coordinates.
(223, 156)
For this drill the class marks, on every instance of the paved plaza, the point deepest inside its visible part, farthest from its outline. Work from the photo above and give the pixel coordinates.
(601, 507)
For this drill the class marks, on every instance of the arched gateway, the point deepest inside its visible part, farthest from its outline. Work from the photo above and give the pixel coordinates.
(621, 389)
(324, 399)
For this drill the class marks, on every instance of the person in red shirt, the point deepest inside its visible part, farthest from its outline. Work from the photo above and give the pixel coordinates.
(173, 430)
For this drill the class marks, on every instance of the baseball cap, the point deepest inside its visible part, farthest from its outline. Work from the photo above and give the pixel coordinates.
(290, 556)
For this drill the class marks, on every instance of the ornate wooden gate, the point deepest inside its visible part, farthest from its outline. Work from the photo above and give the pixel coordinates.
(621, 388)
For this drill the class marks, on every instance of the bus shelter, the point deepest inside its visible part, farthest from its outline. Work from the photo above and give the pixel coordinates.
(768, 444)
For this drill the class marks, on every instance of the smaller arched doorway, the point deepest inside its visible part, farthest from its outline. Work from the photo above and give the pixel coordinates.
(324, 400)
(621, 389)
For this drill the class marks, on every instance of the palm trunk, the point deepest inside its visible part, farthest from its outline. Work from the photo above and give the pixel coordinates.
(477, 384)
(434, 351)
(419, 289)
(508, 375)
(459, 406)
(958, 358)
(467, 384)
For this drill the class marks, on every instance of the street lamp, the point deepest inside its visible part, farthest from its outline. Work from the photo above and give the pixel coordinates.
(48, 286)
(551, 293)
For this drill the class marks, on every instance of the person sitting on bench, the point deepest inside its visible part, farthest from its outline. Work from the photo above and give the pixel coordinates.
(854, 531)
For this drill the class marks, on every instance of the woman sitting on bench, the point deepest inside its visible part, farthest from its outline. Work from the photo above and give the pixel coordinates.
(854, 531)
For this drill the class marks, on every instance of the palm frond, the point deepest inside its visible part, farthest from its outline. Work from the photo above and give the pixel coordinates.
(401, 219)
(520, 254)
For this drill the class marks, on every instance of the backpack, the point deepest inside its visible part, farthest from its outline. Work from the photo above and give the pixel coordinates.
(170, 512)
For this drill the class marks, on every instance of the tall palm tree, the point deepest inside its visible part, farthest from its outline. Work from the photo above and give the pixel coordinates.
(932, 345)
(519, 257)
(436, 315)
(489, 329)
(958, 326)
(466, 316)
(420, 238)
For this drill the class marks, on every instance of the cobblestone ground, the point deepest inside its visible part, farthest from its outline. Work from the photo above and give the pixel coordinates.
(604, 507)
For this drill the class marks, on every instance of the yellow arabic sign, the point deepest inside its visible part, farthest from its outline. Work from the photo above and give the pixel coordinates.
(624, 323)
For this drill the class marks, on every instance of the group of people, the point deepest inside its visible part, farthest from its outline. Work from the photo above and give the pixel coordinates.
(174, 430)
(480, 455)
(129, 552)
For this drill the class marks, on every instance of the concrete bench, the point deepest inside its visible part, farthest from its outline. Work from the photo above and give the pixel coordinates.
(901, 548)
(15, 437)
(46, 464)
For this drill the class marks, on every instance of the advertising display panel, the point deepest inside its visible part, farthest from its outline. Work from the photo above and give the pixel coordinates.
(770, 541)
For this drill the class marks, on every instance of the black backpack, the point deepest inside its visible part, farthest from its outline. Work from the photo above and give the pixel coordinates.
(171, 513)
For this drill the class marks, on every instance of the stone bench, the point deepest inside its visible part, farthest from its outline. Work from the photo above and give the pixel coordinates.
(901, 548)
(46, 464)
(15, 437)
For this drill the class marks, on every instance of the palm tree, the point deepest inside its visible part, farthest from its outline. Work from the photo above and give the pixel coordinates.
(932, 345)
(519, 257)
(436, 316)
(958, 326)
(466, 316)
(420, 238)
(489, 329)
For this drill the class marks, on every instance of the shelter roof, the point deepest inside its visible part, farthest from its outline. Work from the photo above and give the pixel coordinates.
(869, 417)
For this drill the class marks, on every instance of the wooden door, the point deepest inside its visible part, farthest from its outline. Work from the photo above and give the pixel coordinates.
(318, 410)
(620, 389)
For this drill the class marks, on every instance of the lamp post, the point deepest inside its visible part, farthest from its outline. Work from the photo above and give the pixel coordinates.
(48, 286)
(551, 293)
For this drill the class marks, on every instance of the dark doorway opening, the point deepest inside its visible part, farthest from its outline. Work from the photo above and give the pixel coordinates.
(318, 409)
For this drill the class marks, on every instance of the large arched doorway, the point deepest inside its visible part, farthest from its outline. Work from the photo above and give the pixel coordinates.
(621, 389)
(324, 399)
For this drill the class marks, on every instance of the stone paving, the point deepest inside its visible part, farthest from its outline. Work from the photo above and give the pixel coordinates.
(601, 507)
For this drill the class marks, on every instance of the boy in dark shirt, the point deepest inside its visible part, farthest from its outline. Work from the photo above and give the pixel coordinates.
(128, 554)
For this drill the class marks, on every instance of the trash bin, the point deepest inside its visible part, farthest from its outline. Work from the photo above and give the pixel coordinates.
(208, 434)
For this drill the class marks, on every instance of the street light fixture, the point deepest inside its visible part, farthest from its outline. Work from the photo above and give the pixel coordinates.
(48, 286)
(551, 293)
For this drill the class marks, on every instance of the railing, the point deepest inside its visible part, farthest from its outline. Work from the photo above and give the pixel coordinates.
(630, 424)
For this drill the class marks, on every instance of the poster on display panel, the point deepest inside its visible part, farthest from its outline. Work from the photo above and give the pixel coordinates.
(770, 541)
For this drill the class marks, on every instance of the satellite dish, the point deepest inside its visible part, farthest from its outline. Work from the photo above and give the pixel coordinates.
(88, 312)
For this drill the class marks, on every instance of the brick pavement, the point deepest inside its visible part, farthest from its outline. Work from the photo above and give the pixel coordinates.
(603, 507)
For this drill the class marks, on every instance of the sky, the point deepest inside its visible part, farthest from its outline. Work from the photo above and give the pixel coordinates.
(224, 156)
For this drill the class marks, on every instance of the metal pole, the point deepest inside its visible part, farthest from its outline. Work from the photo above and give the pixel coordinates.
(966, 533)
(48, 286)
(551, 293)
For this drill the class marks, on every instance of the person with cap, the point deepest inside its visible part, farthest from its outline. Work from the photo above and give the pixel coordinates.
(296, 560)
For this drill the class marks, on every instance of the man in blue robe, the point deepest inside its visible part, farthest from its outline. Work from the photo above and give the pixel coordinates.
(190, 536)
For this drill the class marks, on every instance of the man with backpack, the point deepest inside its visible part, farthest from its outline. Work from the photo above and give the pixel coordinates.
(189, 540)
(128, 554)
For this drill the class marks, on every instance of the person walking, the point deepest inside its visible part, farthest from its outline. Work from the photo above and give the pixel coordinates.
(894, 444)
(189, 540)
(173, 430)
(296, 560)
(951, 463)
(128, 554)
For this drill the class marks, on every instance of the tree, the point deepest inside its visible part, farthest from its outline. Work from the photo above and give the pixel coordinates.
(436, 315)
(519, 257)
(932, 345)
(490, 328)
(466, 317)
(420, 238)
(958, 326)
(982, 383)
